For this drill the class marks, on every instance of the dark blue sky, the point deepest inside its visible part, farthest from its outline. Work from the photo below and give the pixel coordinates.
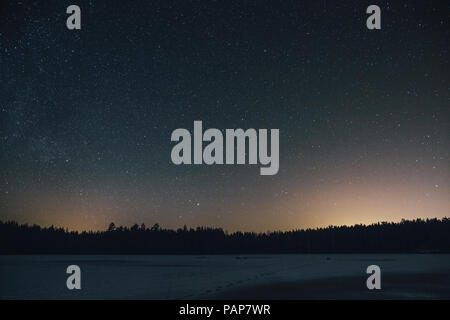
(86, 115)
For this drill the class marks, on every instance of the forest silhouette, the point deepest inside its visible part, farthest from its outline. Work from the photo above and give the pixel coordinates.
(407, 236)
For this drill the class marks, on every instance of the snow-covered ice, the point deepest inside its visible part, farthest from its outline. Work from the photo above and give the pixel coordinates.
(223, 276)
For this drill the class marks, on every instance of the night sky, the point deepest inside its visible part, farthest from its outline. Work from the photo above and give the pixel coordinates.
(86, 115)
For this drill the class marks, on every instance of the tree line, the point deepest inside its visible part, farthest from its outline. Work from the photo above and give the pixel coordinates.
(407, 236)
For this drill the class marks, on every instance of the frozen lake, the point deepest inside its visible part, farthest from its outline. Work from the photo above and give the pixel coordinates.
(330, 276)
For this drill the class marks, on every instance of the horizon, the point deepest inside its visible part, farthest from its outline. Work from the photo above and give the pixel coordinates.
(161, 227)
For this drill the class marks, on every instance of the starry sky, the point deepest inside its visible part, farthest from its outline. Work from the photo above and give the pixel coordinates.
(86, 115)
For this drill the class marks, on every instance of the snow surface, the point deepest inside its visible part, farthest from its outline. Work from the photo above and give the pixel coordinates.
(212, 276)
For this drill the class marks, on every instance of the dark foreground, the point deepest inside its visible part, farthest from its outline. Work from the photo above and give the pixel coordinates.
(403, 276)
